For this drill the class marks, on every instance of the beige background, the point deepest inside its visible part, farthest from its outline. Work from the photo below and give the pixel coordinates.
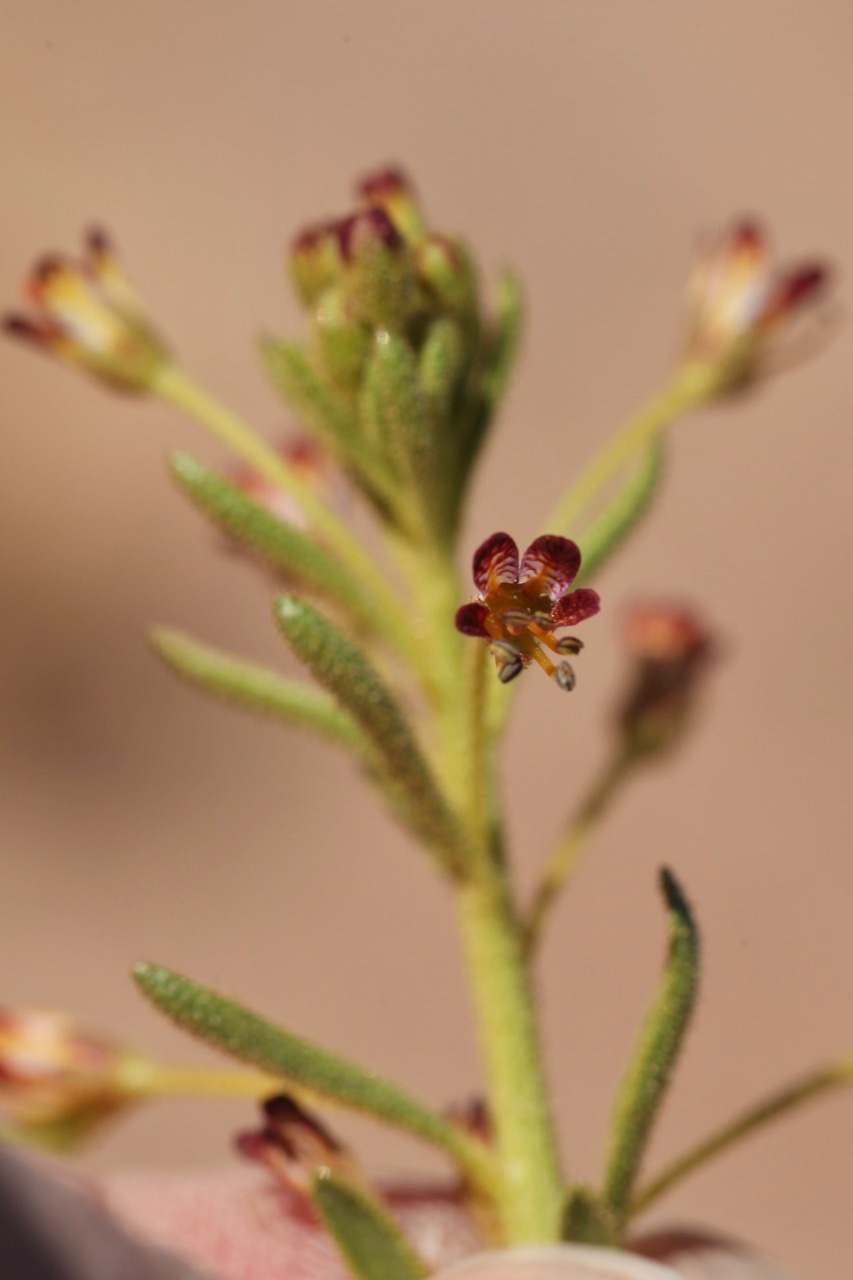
(586, 144)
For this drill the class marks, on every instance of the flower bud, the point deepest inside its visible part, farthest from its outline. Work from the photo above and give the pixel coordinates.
(447, 271)
(379, 274)
(669, 648)
(342, 343)
(88, 314)
(57, 1081)
(742, 310)
(390, 190)
(315, 261)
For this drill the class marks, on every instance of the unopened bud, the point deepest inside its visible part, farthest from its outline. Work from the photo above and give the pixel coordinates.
(315, 261)
(447, 271)
(57, 1081)
(379, 273)
(669, 648)
(745, 315)
(341, 341)
(390, 190)
(87, 313)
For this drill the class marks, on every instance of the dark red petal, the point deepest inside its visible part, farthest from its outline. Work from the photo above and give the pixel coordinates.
(495, 561)
(22, 327)
(360, 230)
(471, 620)
(795, 287)
(577, 605)
(748, 234)
(387, 182)
(555, 560)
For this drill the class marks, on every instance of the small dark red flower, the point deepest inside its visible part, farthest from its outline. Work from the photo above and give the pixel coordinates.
(522, 604)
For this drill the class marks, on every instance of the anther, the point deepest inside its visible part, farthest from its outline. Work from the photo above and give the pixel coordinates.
(569, 645)
(565, 677)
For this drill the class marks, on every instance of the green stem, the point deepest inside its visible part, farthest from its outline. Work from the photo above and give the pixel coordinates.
(778, 1104)
(690, 387)
(178, 389)
(531, 1192)
(600, 540)
(141, 1078)
(569, 850)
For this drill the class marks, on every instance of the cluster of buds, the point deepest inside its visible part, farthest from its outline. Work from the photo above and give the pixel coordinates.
(524, 601)
(87, 313)
(402, 367)
(742, 311)
(669, 648)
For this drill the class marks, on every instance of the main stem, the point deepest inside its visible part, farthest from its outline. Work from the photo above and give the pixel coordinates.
(525, 1142)
(530, 1186)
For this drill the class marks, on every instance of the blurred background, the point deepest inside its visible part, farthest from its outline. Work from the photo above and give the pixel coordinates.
(588, 146)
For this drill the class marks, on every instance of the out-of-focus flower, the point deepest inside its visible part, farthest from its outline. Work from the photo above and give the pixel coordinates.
(744, 313)
(522, 604)
(294, 1146)
(57, 1081)
(87, 313)
(669, 648)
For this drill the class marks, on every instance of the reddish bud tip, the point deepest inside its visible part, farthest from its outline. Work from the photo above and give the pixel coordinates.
(358, 230)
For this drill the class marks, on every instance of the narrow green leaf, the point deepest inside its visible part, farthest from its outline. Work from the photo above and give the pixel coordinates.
(393, 408)
(504, 340)
(441, 361)
(656, 1053)
(344, 670)
(623, 513)
(372, 1243)
(312, 1073)
(320, 409)
(499, 344)
(283, 546)
(256, 688)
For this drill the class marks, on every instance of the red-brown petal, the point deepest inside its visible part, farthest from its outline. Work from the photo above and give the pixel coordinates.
(35, 331)
(577, 605)
(555, 560)
(495, 561)
(793, 288)
(471, 620)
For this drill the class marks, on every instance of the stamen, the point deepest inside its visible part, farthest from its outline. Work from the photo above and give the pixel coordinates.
(565, 677)
(569, 645)
(508, 658)
(516, 618)
(544, 661)
(509, 670)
